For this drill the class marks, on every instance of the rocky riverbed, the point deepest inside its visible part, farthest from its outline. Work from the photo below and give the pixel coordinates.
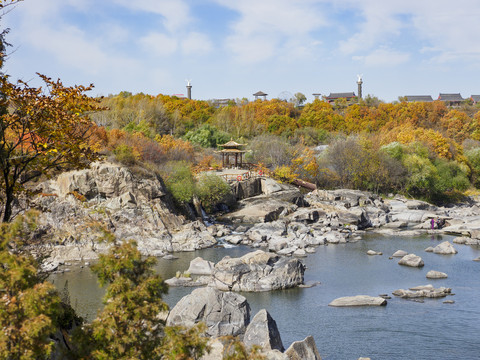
(281, 221)
(77, 205)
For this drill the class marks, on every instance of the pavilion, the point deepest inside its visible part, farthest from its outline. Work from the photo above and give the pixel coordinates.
(232, 149)
(260, 94)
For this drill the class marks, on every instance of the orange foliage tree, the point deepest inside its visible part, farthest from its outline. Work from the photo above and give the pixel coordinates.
(41, 129)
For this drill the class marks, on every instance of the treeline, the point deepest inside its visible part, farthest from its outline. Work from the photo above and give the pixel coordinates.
(425, 150)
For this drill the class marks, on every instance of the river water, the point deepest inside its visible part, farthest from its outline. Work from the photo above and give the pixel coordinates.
(404, 329)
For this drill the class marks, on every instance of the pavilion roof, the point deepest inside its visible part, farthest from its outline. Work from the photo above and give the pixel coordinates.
(450, 97)
(260, 93)
(475, 98)
(231, 144)
(233, 151)
(424, 98)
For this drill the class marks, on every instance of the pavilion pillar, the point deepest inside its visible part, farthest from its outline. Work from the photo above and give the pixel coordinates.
(236, 159)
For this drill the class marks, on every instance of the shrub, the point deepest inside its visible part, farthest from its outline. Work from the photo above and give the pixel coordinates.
(211, 189)
(207, 136)
(125, 155)
(179, 181)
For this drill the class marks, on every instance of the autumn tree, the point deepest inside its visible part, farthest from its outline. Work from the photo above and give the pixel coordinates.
(131, 326)
(30, 308)
(43, 129)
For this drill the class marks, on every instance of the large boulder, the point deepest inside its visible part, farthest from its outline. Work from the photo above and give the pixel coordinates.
(411, 260)
(303, 350)
(445, 248)
(263, 331)
(257, 271)
(359, 300)
(199, 266)
(224, 313)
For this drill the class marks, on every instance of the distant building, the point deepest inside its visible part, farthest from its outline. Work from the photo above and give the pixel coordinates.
(475, 98)
(317, 95)
(218, 103)
(345, 95)
(451, 99)
(419, 98)
(260, 94)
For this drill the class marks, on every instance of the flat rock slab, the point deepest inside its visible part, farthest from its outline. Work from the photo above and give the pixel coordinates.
(423, 291)
(359, 300)
(373, 252)
(432, 274)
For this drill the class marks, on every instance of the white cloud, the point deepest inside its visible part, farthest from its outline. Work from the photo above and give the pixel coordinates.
(450, 29)
(384, 57)
(195, 43)
(176, 13)
(159, 44)
(265, 26)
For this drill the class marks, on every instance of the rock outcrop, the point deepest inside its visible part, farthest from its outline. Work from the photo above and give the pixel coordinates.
(78, 205)
(224, 313)
(257, 271)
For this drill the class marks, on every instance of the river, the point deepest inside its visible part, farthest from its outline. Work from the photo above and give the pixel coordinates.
(403, 329)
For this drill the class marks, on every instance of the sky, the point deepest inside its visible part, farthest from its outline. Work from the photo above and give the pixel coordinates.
(234, 48)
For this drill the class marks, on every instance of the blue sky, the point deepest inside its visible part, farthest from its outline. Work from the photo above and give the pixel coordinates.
(233, 48)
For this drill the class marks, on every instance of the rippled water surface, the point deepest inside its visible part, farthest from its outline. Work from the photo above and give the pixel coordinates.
(403, 329)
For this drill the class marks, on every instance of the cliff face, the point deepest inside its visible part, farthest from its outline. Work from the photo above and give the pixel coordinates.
(77, 205)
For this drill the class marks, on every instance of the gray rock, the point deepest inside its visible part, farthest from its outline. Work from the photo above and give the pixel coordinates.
(423, 291)
(445, 248)
(178, 281)
(432, 274)
(199, 266)
(399, 253)
(477, 259)
(396, 225)
(234, 239)
(263, 331)
(303, 350)
(193, 236)
(429, 249)
(411, 260)
(335, 237)
(460, 240)
(300, 253)
(257, 271)
(358, 300)
(372, 252)
(224, 313)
